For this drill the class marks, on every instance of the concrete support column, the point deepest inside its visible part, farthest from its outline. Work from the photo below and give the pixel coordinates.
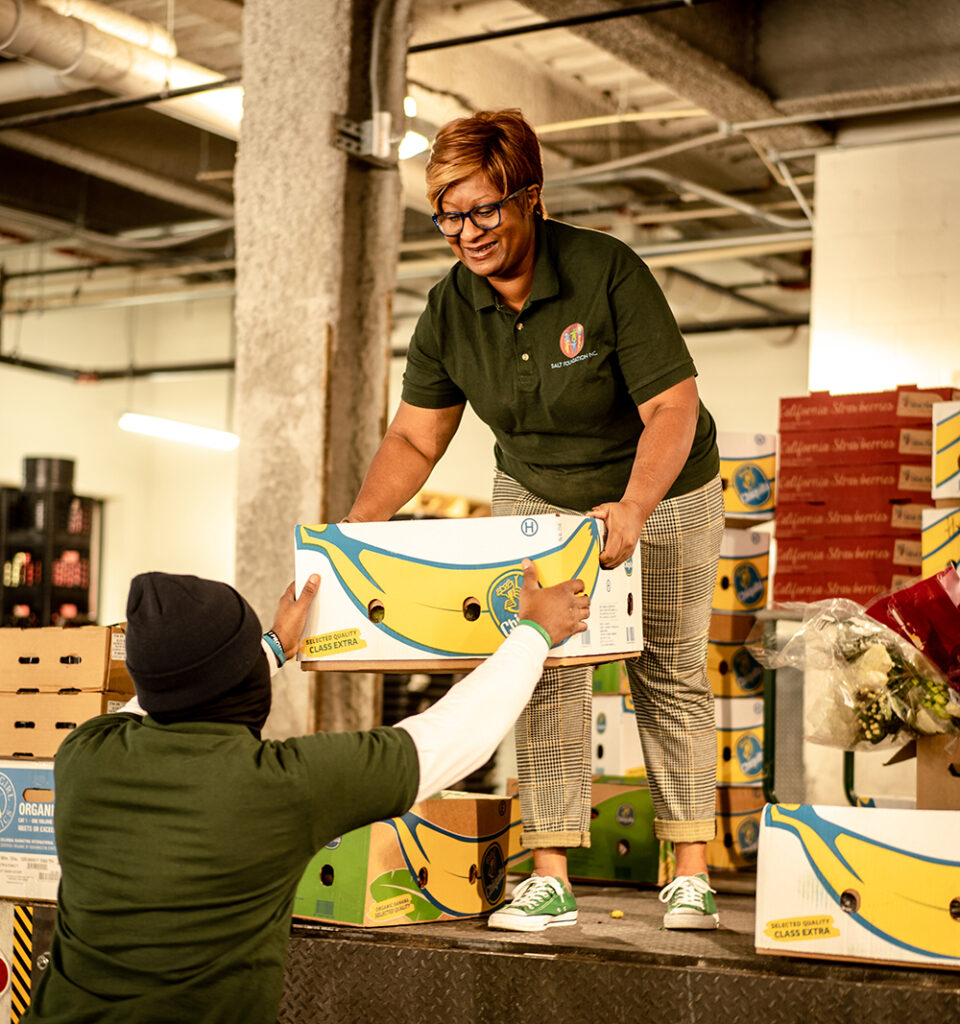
(317, 242)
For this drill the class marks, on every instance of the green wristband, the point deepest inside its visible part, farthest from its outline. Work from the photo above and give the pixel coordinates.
(538, 628)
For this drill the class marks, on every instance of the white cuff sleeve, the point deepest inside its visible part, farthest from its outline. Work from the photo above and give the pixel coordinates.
(464, 727)
(132, 707)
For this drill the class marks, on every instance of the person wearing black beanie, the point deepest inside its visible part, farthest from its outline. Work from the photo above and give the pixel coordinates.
(182, 835)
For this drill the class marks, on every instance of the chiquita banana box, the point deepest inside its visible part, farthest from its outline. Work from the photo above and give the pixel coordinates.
(940, 539)
(739, 740)
(742, 573)
(946, 450)
(732, 670)
(446, 858)
(748, 469)
(856, 883)
(442, 594)
(739, 809)
(614, 736)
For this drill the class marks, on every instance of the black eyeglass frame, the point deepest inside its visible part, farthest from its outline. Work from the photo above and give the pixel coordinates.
(470, 213)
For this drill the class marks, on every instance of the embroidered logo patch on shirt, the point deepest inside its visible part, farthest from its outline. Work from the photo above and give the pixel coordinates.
(571, 341)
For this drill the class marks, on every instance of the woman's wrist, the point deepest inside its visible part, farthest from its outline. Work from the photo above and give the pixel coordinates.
(538, 628)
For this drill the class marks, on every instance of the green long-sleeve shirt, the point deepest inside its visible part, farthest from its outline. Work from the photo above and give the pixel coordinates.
(181, 847)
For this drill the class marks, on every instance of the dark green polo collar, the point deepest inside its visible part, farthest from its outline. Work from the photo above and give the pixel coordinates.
(546, 284)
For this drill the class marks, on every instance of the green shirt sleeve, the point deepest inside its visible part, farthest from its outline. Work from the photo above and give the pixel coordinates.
(650, 348)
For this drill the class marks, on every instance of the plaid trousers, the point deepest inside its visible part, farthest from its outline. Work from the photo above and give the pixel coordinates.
(679, 550)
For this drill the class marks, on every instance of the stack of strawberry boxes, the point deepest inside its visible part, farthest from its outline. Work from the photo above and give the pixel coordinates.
(854, 479)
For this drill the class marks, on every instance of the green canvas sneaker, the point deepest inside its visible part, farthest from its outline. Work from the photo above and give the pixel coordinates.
(539, 902)
(690, 903)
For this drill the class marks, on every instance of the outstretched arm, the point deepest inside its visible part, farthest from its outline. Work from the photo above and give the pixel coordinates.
(460, 732)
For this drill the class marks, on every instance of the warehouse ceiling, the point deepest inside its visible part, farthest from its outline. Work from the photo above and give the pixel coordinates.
(689, 128)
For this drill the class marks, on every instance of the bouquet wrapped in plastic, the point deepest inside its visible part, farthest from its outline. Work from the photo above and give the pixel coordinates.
(868, 687)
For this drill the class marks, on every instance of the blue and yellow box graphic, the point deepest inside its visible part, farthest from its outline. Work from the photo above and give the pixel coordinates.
(742, 572)
(748, 471)
(856, 883)
(445, 859)
(946, 450)
(940, 539)
(29, 868)
(443, 594)
(614, 737)
(739, 741)
(732, 670)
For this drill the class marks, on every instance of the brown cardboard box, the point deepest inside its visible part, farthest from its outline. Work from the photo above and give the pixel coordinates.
(35, 724)
(54, 660)
(739, 809)
(938, 773)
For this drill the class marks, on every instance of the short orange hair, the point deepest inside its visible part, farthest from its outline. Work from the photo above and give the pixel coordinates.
(500, 143)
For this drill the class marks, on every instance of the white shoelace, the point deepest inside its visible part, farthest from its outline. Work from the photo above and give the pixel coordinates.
(531, 891)
(691, 889)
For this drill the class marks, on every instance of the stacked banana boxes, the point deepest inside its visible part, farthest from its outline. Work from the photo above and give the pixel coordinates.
(854, 480)
(438, 595)
(53, 679)
(445, 859)
(29, 868)
(748, 472)
(737, 683)
(854, 883)
(614, 738)
(940, 539)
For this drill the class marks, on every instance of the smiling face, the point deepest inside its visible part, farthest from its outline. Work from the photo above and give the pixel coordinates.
(501, 253)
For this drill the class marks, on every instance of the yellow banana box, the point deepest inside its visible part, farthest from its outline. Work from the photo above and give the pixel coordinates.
(437, 595)
(445, 859)
(946, 450)
(614, 737)
(939, 539)
(742, 572)
(748, 471)
(739, 809)
(859, 883)
(623, 847)
(732, 670)
(739, 740)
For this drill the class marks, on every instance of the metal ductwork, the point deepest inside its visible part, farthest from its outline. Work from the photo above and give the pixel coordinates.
(80, 54)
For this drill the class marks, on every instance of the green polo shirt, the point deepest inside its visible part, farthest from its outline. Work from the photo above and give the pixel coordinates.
(559, 382)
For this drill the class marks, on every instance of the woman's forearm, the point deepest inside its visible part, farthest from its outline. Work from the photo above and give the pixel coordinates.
(397, 471)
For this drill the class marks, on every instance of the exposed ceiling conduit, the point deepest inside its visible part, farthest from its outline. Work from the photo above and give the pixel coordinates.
(83, 52)
(147, 34)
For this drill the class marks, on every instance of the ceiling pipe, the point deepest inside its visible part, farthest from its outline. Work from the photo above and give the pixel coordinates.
(84, 376)
(82, 52)
(139, 31)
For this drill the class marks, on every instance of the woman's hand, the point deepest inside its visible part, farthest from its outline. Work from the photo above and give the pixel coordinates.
(623, 521)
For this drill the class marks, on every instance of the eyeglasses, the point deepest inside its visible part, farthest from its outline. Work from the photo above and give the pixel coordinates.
(485, 216)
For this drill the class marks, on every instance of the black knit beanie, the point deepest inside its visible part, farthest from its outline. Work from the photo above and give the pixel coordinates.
(189, 640)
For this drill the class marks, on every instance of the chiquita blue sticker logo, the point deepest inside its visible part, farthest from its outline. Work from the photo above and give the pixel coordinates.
(601, 722)
(571, 341)
(493, 873)
(628, 566)
(748, 837)
(752, 485)
(334, 843)
(746, 671)
(626, 815)
(750, 755)
(503, 599)
(748, 584)
(8, 801)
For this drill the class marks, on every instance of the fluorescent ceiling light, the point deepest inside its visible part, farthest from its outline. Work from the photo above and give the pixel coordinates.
(411, 144)
(409, 106)
(173, 430)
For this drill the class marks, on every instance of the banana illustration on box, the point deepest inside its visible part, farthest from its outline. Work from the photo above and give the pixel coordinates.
(946, 446)
(454, 869)
(904, 898)
(421, 602)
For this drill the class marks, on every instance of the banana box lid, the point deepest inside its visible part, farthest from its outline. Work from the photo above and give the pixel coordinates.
(442, 594)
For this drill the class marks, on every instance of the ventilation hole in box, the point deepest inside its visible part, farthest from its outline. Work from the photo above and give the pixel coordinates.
(629, 604)
(594, 813)
(727, 840)
(375, 611)
(727, 754)
(599, 751)
(24, 725)
(724, 483)
(65, 725)
(28, 659)
(623, 847)
(850, 901)
(724, 582)
(723, 668)
(954, 771)
(69, 689)
(70, 659)
(955, 909)
(471, 609)
(422, 878)
(326, 874)
(472, 876)
(29, 689)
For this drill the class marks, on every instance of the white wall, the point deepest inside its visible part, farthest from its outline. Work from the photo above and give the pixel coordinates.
(168, 506)
(886, 267)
